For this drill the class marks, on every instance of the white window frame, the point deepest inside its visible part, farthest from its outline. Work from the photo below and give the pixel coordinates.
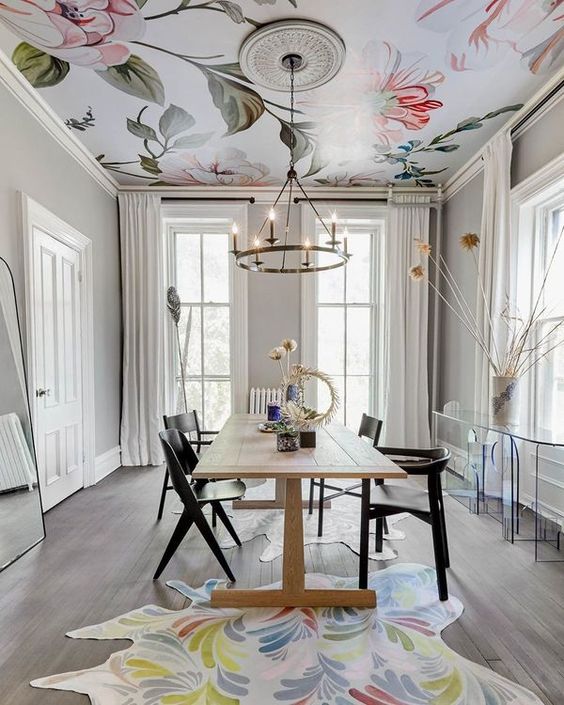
(175, 216)
(309, 303)
(531, 201)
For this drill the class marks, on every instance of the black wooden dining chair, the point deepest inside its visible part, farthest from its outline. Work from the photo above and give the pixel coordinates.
(370, 428)
(387, 500)
(189, 425)
(181, 461)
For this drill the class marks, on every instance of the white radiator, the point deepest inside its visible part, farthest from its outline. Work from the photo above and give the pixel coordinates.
(259, 398)
(17, 468)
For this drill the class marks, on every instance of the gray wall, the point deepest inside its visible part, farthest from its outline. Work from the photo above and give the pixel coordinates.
(274, 309)
(539, 145)
(462, 214)
(36, 165)
(535, 147)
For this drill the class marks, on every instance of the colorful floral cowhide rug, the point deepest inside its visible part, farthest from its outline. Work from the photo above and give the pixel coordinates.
(391, 655)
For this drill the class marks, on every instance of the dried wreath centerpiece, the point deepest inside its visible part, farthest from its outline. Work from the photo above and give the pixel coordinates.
(302, 417)
(524, 347)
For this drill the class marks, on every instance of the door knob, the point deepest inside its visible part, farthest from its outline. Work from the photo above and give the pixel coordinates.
(43, 393)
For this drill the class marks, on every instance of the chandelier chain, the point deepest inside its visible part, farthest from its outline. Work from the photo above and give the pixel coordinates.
(292, 135)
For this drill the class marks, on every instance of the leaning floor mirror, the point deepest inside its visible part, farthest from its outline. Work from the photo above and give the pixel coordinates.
(21, 515)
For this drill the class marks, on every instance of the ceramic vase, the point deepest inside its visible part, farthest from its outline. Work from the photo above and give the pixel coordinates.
(505, 401)
(293, 393)
(287, 442)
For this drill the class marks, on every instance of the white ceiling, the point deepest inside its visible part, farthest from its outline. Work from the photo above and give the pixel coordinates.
(153, 87)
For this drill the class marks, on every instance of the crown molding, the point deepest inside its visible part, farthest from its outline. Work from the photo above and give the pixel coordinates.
(30, 98)
(266, 194)
(463, 176)
(475, 165)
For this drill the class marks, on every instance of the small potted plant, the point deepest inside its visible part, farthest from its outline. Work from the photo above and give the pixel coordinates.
(287, 437)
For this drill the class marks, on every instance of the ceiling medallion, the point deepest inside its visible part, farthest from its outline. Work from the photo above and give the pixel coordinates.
(319, 50)
(281, 54)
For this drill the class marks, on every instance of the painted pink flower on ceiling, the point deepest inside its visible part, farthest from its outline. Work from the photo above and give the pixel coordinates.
(84, 32)
(483, 33)
(380, 94)
(223, 167)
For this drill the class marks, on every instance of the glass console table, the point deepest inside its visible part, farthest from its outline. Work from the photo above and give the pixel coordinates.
(496, 470)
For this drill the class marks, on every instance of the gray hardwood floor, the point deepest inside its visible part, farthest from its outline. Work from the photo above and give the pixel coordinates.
(103, 545)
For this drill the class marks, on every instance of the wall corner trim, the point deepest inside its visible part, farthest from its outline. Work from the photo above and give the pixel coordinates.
(30, 98)
(106, 463)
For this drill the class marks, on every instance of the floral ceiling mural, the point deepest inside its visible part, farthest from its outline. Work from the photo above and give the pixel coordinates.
(154, 89)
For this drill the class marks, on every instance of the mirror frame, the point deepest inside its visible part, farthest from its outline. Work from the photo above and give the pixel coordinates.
(33, 453)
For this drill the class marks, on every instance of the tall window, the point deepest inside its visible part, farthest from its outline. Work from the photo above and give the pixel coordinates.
(199, 267)
(549, 375)
(349, 319)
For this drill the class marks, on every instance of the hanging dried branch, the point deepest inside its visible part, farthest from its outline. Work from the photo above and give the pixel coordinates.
(524, 348)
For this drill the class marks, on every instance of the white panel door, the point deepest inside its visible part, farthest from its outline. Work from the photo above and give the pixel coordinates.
(57, 373)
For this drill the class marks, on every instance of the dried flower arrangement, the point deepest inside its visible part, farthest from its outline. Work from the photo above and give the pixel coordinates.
(524, 348)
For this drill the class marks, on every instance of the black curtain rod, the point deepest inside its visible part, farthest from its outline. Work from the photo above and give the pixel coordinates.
(298, 199)
(250, 199)
(533, 111)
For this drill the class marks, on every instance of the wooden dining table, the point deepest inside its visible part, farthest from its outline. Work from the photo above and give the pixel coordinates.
(240, 450)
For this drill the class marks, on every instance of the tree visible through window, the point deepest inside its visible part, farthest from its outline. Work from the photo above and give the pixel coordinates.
(201, 271)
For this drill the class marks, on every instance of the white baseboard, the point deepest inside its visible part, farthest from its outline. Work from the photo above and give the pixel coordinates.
(106, 463)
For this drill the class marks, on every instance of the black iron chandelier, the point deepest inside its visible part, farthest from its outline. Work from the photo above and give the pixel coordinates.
(274, 255)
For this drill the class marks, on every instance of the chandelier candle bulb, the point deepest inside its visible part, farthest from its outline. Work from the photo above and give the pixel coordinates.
(271, 217)
(234, 231)
(333, 226)
(307, 246)
(346, 241)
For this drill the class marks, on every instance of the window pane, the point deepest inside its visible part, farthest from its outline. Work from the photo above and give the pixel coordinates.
(190, 321)
(324, 398)
(358, 341)
(554, 291)
(193, 397)
(358, 269)
(216, 341)
(188, 267)
(216, 268)
(330, 284)
(358, 400)
(551, 387)
(218, 404)
(331, 340)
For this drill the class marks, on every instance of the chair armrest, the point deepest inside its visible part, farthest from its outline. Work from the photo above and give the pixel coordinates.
(200, 443)
(209, 433)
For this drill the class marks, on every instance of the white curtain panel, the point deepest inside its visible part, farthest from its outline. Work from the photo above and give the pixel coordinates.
(493, 258)
(143, 325)
(407, 399)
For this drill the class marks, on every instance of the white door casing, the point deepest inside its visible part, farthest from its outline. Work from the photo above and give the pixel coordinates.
(59, 347)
